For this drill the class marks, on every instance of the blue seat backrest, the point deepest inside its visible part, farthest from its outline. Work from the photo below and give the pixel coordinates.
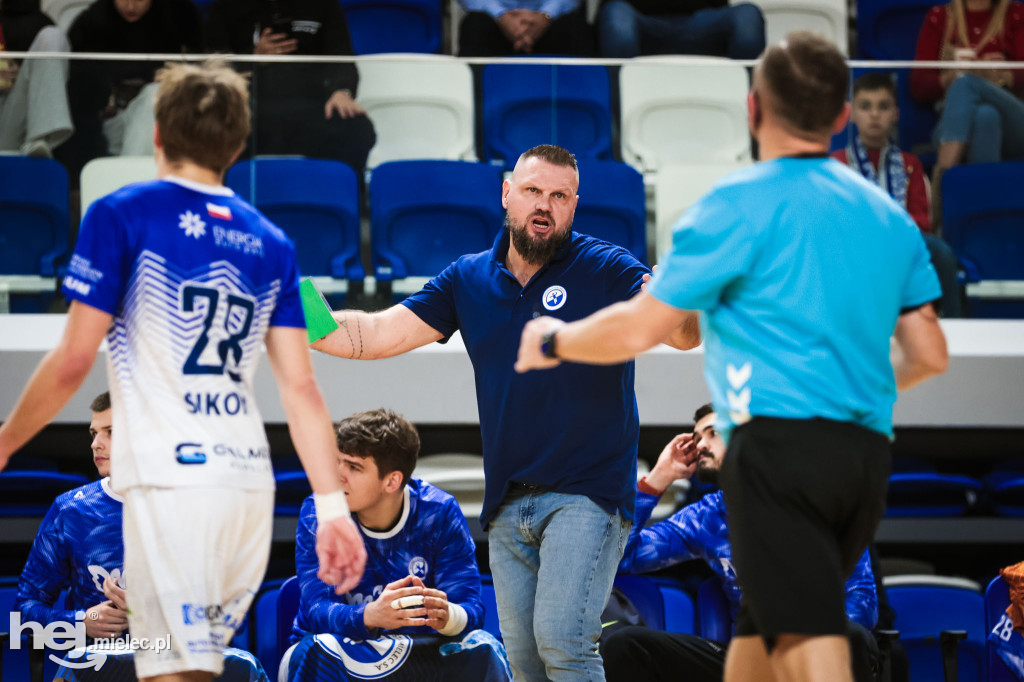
(265, 626)
(612, 205)
(983, 210)
(377, 26)
(997, 598)
(30, 493)
(529, 104)
(426, 214)
(316, 203)
(291, 490)
(490, 601)
(923, 611)
(680, 611)
(713, 611)
(930, 494)
(34, 223)
(646, 597)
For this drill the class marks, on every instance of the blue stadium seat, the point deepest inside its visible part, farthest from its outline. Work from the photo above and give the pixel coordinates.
(34, 227)
(927, 605)
(425, 214)
(1004, 488)
(291, 490)
(491, 624)
(265, 625)
(662, 602)
(713, 611)
(30, 493)
(394, 25)
(983, 210)
(997, 598)
(612, 205)
(315, 201)
(917, 489)
(529, 104)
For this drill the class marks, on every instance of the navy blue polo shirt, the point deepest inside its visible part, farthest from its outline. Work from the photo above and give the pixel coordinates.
(572, 429)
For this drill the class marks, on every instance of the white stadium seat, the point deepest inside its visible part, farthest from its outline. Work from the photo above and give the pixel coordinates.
(421, 108)
(683, 110)
(104, 175)
(825, 17)
(678, 188)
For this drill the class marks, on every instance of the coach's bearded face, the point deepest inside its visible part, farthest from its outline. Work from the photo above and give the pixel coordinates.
(535, 248)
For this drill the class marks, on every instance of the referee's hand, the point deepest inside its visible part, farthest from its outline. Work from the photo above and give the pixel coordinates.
(339, 547)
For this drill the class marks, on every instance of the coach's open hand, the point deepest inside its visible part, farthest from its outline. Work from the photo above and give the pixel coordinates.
(341, 552)
(530, 354)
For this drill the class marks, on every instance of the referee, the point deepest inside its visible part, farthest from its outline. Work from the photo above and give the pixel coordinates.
(804, 272)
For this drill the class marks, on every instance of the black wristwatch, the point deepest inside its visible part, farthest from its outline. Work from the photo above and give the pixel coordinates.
(547, 345)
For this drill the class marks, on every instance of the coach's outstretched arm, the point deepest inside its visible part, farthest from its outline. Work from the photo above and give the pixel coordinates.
(612, 335)
(56, 379)
(339, 546)
(918, 348)
(371, 336)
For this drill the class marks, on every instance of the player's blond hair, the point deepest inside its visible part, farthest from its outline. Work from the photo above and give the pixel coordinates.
(202, 113)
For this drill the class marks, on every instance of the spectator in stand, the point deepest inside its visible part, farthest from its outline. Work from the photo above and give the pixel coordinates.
(499, 28)
(629, 28)
(307, 109)
(874, 155)
(982, 113)
(34, 114)
(112, 101)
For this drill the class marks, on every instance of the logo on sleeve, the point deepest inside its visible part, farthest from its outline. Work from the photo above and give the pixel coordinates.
(192, 224)
(554, 297)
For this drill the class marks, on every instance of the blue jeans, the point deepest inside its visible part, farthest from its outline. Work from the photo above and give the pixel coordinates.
(553, 558)
(736, 32)
(985, 116)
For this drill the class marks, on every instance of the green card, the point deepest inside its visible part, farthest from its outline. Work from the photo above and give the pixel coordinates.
(319, 321)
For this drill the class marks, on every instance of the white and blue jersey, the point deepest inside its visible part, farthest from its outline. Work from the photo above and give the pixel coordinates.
(700, 531)
(194, 277)
(77, 546)
(431, 541)
(801, 268)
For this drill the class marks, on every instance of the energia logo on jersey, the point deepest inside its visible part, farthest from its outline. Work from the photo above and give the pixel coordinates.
(369, 660)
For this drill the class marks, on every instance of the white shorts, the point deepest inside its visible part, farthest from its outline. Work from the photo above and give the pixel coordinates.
(193, 559)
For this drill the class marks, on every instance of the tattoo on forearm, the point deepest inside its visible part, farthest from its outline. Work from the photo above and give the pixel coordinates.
(359, 331)
(343, 322)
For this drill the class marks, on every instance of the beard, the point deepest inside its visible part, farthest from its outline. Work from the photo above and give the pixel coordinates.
(536, 251)
(707, 474)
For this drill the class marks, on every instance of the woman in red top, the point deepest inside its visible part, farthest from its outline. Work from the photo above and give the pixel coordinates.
(982, 114)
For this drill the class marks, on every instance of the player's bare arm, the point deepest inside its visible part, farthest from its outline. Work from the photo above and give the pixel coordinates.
(612, 335)
(919, 347)
(339, 545)
(58, 376)
(371, 336)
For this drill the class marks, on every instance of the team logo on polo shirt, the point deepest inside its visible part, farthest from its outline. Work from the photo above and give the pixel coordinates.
(554, 297)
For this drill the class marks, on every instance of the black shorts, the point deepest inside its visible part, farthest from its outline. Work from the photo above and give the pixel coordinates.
(803, 499)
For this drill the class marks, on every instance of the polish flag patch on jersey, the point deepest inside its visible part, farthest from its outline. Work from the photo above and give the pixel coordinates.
(215, 211)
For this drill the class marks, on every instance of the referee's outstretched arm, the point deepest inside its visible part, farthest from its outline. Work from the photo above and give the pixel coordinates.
(918, 347)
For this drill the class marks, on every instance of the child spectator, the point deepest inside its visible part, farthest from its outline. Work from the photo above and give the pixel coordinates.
(874, 155)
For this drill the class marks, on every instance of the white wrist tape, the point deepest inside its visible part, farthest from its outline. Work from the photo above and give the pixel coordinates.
(330, 506)
(457, 619)
(406, 602)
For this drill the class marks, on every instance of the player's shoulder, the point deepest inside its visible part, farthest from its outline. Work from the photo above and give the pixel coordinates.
(83, 495)
(429, 495)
